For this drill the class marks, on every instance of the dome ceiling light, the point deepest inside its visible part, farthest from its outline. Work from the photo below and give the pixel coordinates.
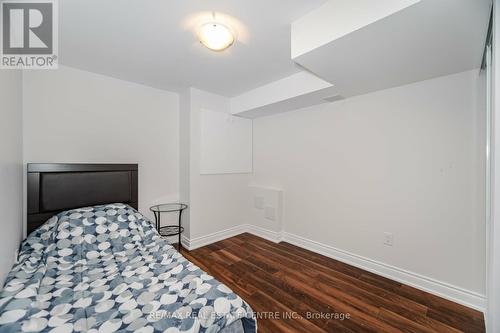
(215, 35)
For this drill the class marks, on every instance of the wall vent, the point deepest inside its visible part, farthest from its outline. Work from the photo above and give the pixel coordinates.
(334, 98)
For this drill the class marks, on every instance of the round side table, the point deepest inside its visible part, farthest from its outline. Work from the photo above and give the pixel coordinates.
(169, 230)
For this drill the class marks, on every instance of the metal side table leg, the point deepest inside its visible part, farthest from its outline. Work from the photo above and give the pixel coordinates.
(179, 245)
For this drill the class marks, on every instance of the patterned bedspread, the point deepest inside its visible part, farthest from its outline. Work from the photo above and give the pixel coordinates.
(106, 269)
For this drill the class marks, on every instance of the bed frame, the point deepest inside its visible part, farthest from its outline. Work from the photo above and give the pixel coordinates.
(53, 188)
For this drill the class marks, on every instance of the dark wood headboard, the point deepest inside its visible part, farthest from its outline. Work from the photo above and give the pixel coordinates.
(53, 188)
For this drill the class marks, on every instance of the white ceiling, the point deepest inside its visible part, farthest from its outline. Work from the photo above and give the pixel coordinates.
(424, 40)
(153, 42)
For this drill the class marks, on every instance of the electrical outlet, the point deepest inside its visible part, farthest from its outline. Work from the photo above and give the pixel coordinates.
(258, 202)
(270, 213)
(388, 239)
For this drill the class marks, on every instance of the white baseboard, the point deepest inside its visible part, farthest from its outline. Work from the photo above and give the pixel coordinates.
(273, 236)
(194, 243)
(453, 293)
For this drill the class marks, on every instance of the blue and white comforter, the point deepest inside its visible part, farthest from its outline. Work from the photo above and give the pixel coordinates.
(106, 269)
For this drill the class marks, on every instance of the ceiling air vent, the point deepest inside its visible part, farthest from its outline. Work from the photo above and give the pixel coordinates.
(333, 98)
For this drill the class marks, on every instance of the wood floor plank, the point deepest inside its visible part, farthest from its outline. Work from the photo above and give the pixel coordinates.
(296, 299)
(402, 308)
(364, 297)
(302, 303)
(362, 314)
(411, 306)
(454, 320)
(283, 314)
(402, 323)
(285, 278)
(240, 251)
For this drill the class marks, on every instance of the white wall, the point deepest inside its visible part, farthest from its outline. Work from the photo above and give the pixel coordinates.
(402, 160)
(217, 202)
(337, 18)
(225, 143)
(76, 116)
(493, 319)
(272, 198)
(11, 168)
(184, 156)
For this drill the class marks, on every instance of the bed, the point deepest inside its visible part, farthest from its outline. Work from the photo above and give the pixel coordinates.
(104, 267)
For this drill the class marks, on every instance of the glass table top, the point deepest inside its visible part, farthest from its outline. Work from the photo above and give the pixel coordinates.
(170, 207)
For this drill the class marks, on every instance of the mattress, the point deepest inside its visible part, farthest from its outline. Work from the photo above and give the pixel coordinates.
(106, 269)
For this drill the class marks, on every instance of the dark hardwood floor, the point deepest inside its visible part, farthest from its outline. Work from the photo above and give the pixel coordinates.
(295, 290)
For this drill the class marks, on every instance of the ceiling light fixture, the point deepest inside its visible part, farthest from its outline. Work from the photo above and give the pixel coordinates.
(216, 36)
